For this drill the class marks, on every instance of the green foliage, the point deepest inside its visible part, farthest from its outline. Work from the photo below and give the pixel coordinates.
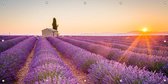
(87, 64)
(54, 24)
(110, 55)
(156, 66)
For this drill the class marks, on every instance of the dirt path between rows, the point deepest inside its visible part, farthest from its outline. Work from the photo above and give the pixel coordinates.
(80, 75)
(24, 70)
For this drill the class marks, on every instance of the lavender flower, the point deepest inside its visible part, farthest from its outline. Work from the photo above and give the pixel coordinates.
(82, 58)
(105, 72)
(13, 59)
(47, 67)
(130, 58)
(9, 43)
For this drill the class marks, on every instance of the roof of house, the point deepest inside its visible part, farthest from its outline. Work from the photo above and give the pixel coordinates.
(49, 29)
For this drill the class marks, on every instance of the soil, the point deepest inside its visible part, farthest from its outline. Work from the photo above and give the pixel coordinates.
(80, 75)
(24, 70)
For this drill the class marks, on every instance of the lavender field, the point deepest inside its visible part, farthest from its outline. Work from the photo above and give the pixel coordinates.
(84, 60)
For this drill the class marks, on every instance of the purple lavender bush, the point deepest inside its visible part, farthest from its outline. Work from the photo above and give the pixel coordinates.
(103, 71)
(82, 58)
(14, 58)
(164, 69)
(47, 67)
(110, 72)
(9, 43)
(7, 37)
(130, 58)
(121, 46)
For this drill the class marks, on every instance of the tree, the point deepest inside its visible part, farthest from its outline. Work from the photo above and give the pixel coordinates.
(54, 24)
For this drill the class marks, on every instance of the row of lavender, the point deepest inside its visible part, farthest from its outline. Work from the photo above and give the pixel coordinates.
(10, 43)
(130, 58)
(159, 52)
(102, 71)
(158, 40)
(6, 37)
(125, 47)
(47, 67)
(13, 59)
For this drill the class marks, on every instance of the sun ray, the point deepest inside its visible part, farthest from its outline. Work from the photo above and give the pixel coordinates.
(148, 45)
(131, 47)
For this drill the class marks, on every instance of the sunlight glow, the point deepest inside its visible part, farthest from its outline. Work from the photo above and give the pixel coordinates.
(121, 80)
(165, 41)
(145, 29)
(134, 44)
(148, 45)
(3, 40)
(84, 80)
(3, 81)
(164, 80)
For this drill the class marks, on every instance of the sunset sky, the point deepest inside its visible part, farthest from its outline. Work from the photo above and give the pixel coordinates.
(83, 16)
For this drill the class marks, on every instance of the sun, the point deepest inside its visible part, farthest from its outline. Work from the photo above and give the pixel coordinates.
(145, 29)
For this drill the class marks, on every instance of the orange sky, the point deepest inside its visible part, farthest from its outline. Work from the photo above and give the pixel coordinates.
(75, 17)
